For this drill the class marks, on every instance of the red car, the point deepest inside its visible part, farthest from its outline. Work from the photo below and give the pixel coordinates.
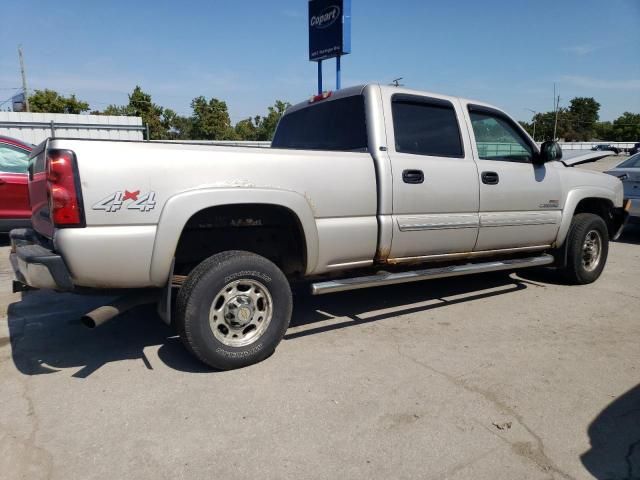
(15, 211)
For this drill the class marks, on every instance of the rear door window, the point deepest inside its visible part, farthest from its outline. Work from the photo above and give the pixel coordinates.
(426, 126)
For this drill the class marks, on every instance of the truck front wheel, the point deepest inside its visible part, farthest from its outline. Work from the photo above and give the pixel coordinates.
(233, 309)
(587, 249)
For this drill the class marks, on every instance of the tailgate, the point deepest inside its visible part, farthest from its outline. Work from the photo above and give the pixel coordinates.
(38, 196)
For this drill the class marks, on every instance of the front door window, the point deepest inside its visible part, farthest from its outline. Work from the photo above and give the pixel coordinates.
(497, 139)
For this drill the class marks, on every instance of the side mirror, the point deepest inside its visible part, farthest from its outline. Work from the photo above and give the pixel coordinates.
(549, 151)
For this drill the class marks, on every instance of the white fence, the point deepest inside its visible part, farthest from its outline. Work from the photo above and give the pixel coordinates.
(495, 149)
(590, 145)
(35, 127)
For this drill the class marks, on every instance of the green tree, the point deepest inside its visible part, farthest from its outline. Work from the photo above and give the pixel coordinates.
(177, 126)
(604, 131)
(626, 128)
(50, 101)
(579, 122)
(545, 122)
(116, 110)
(261, 128)
(247, 129)
(583, 116)
(267, 125)
(140, 105)
(210, 120)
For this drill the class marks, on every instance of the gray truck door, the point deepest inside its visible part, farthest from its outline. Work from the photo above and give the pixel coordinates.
(435, 179)
(520, 203)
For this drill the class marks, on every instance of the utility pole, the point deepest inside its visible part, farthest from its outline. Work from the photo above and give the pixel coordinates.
(24, 78)
(556, 108)
(534, 128)
(534, 122)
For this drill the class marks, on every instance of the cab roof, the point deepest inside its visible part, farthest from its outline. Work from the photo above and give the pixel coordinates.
(387, 90)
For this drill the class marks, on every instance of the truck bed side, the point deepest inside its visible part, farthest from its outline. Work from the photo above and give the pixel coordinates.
(138, 197)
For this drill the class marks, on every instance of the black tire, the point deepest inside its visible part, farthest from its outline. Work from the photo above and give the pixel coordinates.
(205, 283)
(575, 271)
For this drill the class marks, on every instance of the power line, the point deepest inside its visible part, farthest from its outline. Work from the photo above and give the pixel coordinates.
(6, 101)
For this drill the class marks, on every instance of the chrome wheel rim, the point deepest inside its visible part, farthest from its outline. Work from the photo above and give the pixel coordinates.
(591, 250)
(241, 313)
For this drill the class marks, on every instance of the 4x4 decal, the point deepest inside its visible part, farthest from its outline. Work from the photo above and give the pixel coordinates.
(134, 200)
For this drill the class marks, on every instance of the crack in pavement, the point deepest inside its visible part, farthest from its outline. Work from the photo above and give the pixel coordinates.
(32, 461)
(616, 292)
(35, 427)
(462, 465)
(535, 452)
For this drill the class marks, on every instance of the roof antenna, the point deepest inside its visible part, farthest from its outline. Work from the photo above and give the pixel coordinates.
(396, 82)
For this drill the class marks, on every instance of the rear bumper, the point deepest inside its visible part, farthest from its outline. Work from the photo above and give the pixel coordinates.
(35, 265)
(8, 224)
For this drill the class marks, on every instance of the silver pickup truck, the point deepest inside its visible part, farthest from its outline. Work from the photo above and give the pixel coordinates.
(367, 186)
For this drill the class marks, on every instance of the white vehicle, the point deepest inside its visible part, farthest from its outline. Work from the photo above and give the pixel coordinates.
(368, 186)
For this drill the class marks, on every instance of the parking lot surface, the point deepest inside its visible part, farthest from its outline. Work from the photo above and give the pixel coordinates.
(502, 376)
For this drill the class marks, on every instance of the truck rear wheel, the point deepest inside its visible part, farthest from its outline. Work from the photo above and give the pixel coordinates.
(587, 249)
(233, 309)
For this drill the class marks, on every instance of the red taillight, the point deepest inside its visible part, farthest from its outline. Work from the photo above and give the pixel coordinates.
(64, 203)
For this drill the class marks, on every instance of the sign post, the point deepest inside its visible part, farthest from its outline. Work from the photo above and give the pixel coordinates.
(329, 34)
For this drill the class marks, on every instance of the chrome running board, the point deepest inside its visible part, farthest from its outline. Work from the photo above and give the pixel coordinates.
(387, 278)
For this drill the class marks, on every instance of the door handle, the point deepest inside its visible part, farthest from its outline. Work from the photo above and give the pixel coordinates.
(412, 176)
(2, 182)
(490, 178)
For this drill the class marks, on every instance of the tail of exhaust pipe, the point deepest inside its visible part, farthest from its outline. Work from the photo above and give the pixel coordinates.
(102, 315)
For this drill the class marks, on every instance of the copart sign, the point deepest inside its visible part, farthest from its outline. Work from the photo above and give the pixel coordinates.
(329, 28)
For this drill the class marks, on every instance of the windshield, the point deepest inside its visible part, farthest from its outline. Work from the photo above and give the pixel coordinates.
(631, 162)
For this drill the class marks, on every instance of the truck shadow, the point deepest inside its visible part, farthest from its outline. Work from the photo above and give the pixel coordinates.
(314, 315)
(615, 439)
(631, 234)
(46, 335)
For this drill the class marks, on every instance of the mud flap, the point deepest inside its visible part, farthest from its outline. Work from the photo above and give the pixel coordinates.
(619, 219)
(164, 304)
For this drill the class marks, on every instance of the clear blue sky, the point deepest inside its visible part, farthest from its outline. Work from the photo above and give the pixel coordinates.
(249, 53)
